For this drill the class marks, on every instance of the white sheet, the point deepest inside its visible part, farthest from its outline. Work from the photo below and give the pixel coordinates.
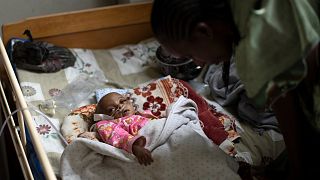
(179, 148)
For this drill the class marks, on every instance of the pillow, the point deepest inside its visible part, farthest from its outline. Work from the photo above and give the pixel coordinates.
(157, 95)
(77, 122)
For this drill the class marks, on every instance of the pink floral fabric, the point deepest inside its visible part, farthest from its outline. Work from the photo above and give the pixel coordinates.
(121, 132)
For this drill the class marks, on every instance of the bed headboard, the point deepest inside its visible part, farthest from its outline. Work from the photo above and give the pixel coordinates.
(93, 28)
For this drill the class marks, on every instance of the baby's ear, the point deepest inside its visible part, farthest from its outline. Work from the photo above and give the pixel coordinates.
(98, 109)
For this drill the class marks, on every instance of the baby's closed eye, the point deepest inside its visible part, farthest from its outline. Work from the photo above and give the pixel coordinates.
(122, 101)
(111, 110)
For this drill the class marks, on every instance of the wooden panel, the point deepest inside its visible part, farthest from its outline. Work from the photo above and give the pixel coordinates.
(103, 38)
(3, 73)
(80, 21)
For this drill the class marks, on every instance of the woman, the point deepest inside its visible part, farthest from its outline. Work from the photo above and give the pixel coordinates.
(275, 45)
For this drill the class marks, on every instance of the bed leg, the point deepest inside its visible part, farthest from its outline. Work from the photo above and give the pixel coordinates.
(15, 136)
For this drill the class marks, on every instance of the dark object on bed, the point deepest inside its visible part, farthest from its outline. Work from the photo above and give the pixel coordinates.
(41, 56)
(180, 68)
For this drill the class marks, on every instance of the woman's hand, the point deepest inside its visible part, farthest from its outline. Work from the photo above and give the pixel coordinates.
(143, 155)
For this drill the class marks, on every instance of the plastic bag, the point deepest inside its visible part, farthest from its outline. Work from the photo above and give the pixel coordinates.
(73, 94)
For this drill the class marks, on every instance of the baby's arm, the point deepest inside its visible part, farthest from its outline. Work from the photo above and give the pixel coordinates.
(113, 134)
(143, 155)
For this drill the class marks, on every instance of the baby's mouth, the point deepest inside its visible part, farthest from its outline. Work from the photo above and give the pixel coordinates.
(125, 111)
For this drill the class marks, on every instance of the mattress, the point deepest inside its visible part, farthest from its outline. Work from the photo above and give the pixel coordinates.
(124, 66)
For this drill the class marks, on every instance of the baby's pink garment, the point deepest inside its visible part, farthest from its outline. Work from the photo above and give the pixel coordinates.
(121, 132)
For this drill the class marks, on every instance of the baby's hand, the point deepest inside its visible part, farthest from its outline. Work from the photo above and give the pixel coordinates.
(143, 155)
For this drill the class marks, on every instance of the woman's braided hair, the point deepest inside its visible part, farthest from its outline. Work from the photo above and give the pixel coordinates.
(174, 20)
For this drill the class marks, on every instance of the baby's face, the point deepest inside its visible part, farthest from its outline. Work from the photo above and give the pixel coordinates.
(116, 105)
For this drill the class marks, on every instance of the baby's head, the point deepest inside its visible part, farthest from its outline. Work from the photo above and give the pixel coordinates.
(115, 105)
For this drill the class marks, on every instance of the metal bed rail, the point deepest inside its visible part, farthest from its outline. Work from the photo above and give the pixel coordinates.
(24, 117)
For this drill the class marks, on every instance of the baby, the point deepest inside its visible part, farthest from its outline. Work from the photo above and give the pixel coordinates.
(121, 127)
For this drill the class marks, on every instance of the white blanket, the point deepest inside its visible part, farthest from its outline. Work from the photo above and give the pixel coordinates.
(179, 148)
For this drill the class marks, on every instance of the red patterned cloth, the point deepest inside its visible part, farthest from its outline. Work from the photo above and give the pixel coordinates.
(212, 126)
(156, 96)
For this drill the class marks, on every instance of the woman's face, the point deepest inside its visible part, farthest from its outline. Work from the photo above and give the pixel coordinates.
(204, 47)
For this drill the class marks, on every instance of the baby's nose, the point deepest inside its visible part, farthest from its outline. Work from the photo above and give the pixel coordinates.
(120, 106)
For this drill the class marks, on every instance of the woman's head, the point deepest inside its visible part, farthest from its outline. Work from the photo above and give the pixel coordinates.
(200, 29)
(115, 105)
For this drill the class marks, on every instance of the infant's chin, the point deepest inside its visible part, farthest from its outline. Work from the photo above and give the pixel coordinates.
(126, 113)
(129, 113)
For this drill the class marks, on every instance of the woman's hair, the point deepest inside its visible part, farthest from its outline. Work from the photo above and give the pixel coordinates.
(175, 19)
